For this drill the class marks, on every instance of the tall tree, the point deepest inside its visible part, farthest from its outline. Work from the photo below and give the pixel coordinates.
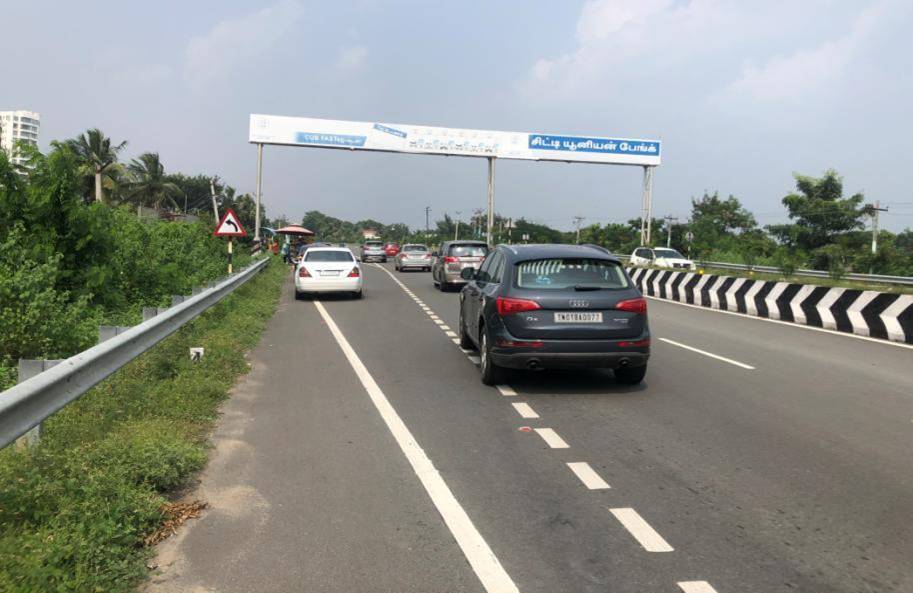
(716, 223)
(96, 155)
(149, 186)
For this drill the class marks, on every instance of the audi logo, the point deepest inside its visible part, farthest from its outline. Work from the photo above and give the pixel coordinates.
(579, 304)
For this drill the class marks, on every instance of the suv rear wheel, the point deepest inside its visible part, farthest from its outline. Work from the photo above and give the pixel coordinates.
(630, 375)
(491, 373)
(465, 341)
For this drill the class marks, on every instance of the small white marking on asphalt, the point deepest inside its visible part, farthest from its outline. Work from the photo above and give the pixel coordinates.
(641, 530)
(456, 341)
(451, 334)
(710, 354)
(588, 475)
(444, 327)
(506, 390)
(465, 351)
(551, 438)
(438, 321)
(524, 410)
(474, 359)
(696, 587)
(477, 551)
(426, 308)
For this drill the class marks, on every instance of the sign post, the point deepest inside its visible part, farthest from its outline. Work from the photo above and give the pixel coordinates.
(230, 227)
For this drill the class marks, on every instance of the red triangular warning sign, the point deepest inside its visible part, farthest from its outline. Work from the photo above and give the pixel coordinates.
(230, 226)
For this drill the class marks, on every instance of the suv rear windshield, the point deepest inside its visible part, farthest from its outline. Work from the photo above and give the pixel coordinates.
(563, 273)
(469, 250)
(415, 248)
(668, 253)
(373, 244)
(312, 255)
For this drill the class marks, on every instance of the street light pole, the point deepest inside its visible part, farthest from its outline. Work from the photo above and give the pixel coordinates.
(669, 220)
(577, 221)
(427, 228)
(456, 235)
(876, 209)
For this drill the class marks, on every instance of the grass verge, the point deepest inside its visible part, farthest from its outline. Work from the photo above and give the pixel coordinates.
(74, 510)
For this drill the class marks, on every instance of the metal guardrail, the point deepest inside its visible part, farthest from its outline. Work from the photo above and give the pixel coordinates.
(27, 404)
(872, 278)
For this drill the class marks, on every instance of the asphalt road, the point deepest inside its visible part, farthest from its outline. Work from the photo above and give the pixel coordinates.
(756, 457)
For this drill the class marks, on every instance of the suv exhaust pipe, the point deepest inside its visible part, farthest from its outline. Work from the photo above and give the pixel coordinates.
(534, 365)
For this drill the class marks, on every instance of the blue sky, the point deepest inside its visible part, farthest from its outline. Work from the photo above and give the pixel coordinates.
(741, 93)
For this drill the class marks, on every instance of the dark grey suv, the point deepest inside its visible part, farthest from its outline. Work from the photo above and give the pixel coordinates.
(554, 306)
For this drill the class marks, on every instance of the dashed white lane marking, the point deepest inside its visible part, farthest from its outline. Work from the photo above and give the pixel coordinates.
(709, 354)
(525, 410)
(588, 475)
(645, 535)
(696, 587)
(438, 321)
(551, 438)
(474, 359)
(506, 390)
(447, 327)
(480, 556)
(465, 351)
(451, 334)
(456, 341)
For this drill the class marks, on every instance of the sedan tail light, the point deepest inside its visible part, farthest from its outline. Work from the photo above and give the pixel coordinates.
(355, 273)
(450, 259)
(638, 306)
(303, 272)
(506, 306)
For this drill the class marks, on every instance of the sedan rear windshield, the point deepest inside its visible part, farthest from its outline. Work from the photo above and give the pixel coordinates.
(574, 273)
(469, 250)
(312, 255)
(415, 248)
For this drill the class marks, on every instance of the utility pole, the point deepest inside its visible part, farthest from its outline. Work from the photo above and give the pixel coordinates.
(577, 221)
(456, 235)
(875, 210)
(215, 205)
(669, 220)
(427, 228)
(510, 228)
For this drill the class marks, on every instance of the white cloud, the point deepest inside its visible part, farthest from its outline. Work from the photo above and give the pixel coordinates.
(237, 41)
(350, 59)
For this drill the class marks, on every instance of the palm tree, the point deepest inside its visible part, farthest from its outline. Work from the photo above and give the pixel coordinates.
(149, 187)
(97, 154)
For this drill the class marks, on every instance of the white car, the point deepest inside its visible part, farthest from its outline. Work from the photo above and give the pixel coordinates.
(329, 269)
(661, 257)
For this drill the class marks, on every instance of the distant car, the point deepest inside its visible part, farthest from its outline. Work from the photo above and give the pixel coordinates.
(373, 250)
(413, 256)
(328, 269)
(554, 306)
(453, 256)
(662, 257)
(391, 249)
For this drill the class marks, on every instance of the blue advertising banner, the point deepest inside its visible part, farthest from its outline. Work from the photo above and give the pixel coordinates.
(330, 139)
(388, 130)
(598, 145)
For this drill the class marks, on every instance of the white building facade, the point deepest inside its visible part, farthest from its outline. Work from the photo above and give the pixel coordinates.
(16, 126)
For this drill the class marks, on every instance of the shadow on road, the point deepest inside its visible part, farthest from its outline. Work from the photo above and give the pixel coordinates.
(570, 382)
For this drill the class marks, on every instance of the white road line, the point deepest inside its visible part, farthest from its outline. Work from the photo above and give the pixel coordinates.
(474, 359)
(446, 328)
(438, 321)
(465, 351)
(588, 475)
(480, 556)
(426, 308)
(551, 438)
(524, 410)
(696, 587)
(451, 334)
(456, 341)
(710, 354)
(506, 390)
(833, 332)
(641, 530)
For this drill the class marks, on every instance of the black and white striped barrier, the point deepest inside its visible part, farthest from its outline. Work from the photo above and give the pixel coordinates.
(863, 312)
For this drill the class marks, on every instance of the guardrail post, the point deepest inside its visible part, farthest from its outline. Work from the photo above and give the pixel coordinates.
(106, 332)
(149, 313)
(177, 299)
(28, 368)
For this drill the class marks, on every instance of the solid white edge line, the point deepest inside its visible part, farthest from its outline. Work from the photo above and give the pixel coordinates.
(645, 535)
(709, 354)
(506, 390)
(588, 475)
(786, 323)
(551, 438)
(525, 410)
(696, 587)
(480, 556)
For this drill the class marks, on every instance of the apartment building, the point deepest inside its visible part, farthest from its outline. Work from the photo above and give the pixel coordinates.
(18, 126)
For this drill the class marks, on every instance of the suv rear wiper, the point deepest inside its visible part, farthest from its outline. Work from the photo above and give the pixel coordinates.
(587, 287)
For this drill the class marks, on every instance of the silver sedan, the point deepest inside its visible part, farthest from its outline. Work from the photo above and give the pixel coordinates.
(413, 256)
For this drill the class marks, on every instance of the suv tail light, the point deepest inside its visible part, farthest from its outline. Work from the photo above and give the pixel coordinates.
(303, 272)
(638, 306)
(506, 306)
(449, 259)
(354, 273)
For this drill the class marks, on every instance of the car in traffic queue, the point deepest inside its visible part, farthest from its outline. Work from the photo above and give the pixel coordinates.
(329, 269)
(373, 250)
(413, 256)
(662, 257)
(391, 249)
(554, 307)
(452, 258)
